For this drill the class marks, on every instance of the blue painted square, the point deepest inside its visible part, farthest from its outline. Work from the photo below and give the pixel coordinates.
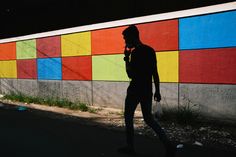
(49, 69)
(208, 31)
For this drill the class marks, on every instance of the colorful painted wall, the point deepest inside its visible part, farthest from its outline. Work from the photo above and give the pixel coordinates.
(196, 62)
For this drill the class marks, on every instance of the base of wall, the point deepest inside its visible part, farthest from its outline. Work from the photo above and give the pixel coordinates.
(216, 101)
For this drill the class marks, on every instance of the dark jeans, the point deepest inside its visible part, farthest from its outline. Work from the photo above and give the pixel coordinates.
(131, 102)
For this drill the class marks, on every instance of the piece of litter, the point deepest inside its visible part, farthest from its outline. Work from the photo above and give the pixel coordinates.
(180, 146)
(21, 108)
(197, 143)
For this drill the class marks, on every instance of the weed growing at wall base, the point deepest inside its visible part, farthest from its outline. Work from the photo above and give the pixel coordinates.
(59, 102)
(181, 116)
(186, 114)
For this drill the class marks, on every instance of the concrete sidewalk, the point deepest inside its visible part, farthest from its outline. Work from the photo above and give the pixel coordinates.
(33, 133)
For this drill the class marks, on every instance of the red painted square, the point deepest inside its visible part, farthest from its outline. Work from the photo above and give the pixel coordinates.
(108, 41)
(77, 68)
(48, 47)
(8, 51)
(162, 36)
(27, 69)
(208, 66)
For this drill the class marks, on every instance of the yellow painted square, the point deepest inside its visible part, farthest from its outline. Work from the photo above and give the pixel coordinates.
(77, 44)
(168, 65)
(109, 68)
(8, 69)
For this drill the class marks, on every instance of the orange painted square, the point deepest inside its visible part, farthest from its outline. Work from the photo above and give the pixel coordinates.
(162, 35)
(8, 51)
(108, 41)
(77, 68)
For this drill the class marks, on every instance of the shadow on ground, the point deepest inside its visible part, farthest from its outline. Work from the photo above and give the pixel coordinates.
(39, 133)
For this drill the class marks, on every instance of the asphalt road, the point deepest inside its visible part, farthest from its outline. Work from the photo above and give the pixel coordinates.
(34, 133)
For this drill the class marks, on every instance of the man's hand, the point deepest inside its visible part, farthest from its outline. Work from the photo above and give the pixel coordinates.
(157, 96)
(127, 52)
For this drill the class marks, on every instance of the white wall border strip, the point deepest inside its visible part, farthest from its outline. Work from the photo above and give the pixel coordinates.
(143, 19)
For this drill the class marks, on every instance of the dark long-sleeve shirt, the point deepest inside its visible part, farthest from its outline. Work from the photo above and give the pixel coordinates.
(141, 68)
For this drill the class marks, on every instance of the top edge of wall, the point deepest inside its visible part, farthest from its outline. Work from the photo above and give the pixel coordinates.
(143, 19)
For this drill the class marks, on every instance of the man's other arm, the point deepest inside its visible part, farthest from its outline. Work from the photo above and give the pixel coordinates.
(157, 95)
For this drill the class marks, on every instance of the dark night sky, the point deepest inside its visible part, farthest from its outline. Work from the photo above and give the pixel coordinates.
(33, 16)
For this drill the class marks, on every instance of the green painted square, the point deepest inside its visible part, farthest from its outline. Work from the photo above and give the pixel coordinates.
(109, 68)
(26, 49)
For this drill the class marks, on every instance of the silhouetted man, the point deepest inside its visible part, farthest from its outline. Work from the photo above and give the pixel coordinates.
(141, 67)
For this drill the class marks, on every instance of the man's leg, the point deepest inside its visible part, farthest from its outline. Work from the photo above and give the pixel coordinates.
(146, 105)
(131, 103)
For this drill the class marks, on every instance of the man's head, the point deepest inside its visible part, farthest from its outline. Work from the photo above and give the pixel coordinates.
(131, 36)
